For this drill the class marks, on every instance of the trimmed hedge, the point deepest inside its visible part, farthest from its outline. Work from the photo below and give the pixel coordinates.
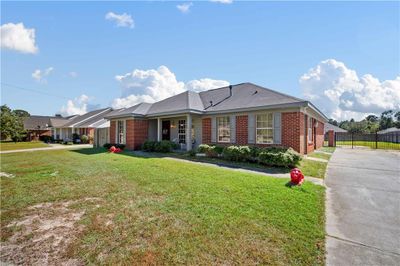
(159, 146)
(116, 145)
(209, 150)
(279, 157)
(272, 156)
(237, 153)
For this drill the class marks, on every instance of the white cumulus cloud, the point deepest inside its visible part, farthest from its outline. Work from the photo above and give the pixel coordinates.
(77, 106)
(157, 84)
(18, 38)
(122, 20)
(73, 74)
(341, 94)
(222, 1)
(185, 7)
(39, 75)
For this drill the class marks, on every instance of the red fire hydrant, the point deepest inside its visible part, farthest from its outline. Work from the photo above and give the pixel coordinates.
(296, 176)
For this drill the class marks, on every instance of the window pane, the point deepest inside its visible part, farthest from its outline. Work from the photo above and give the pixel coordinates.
(223, 129)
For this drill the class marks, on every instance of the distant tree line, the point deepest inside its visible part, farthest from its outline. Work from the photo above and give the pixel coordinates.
(12, 123)
(371, 123)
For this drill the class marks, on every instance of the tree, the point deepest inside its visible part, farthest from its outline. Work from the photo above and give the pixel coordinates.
(12, 123)
(397, 116)
(386, 120)
(333, 122)
(372, 118)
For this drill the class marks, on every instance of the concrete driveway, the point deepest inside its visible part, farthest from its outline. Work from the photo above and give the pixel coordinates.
(363, 207)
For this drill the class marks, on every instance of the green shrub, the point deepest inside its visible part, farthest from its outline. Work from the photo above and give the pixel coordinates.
(164, 146)
(279, 157)
(203, 148)
(237, 153)
(219, 149)
(149, 146)
(212, 152)
(84, 139)
(192, 153)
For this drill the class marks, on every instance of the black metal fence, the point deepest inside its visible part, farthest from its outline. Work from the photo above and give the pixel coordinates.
(374, 140)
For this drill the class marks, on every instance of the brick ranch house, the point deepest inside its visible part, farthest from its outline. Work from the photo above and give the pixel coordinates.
(63, 128)
(242, 114)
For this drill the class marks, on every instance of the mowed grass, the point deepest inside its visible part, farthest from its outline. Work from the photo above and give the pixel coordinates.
(318, 155)
(371, 144)
(159, 211)
(327, 149)
(8, 146)
(313, 168)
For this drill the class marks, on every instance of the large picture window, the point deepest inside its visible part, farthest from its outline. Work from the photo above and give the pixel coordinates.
(223, 129)
(182, 131)
(264, 128)
(121, 132)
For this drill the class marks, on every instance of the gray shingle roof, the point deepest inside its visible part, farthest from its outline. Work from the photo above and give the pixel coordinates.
(80, 120)
(35, 122)
(245, 95)
(138, 109)
(328, 127)
(184, 101)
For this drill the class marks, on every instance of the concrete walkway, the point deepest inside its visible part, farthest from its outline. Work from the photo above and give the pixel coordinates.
(51, 147)
(363, 207)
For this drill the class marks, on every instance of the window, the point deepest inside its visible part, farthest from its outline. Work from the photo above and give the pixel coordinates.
(182, 131)
(310, 135)
(224, 129)
(264, 129)
(121, 132)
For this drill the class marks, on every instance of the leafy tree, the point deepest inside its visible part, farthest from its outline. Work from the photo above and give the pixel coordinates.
(372, 118)
(12, 124)
(386, 120)
(333, 122)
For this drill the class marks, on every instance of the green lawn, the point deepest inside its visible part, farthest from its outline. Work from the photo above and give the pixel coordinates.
(313, 168)
(371, 144)
(158, 211)
(8, 146)
(319, 155)
(327, 149)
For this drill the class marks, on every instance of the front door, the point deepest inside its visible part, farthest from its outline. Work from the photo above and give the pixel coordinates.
(166, 127)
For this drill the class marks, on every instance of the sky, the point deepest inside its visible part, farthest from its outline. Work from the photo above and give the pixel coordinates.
(73, 57)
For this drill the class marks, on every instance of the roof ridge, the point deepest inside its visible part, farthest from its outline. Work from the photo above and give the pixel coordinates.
(287, 95)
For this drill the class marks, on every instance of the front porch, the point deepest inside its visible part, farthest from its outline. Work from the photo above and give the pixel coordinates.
(180, 129)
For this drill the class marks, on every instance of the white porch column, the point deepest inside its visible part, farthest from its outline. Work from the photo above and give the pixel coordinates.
(61, 133)
(159, 129)
(189, 132)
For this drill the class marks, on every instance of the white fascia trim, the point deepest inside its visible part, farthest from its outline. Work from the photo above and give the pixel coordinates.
(73, 125)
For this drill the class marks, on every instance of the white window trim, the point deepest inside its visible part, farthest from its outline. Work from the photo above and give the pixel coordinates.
(272, 128)
(309, 130)
(117, 131)
(229, 127)
(182, 134)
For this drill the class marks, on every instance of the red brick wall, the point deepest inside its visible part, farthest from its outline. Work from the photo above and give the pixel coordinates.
(292, 128)
(206, 130)
(113, 125)
(320, 134)
(242, 129)
(130, 137)
(141, 132)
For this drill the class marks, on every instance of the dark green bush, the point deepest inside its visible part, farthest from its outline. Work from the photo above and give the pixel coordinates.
(237, 153)
(85, 139)
(219, 149)
(149, 146)
(203, 148)
(164, 146)
(275, 156)
(46, 139)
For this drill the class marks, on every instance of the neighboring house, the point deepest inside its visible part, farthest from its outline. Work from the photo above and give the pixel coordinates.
(37, 126)
(335, 129)
(392, 130)
(81, 125)
(242, 114)
(63, 128)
